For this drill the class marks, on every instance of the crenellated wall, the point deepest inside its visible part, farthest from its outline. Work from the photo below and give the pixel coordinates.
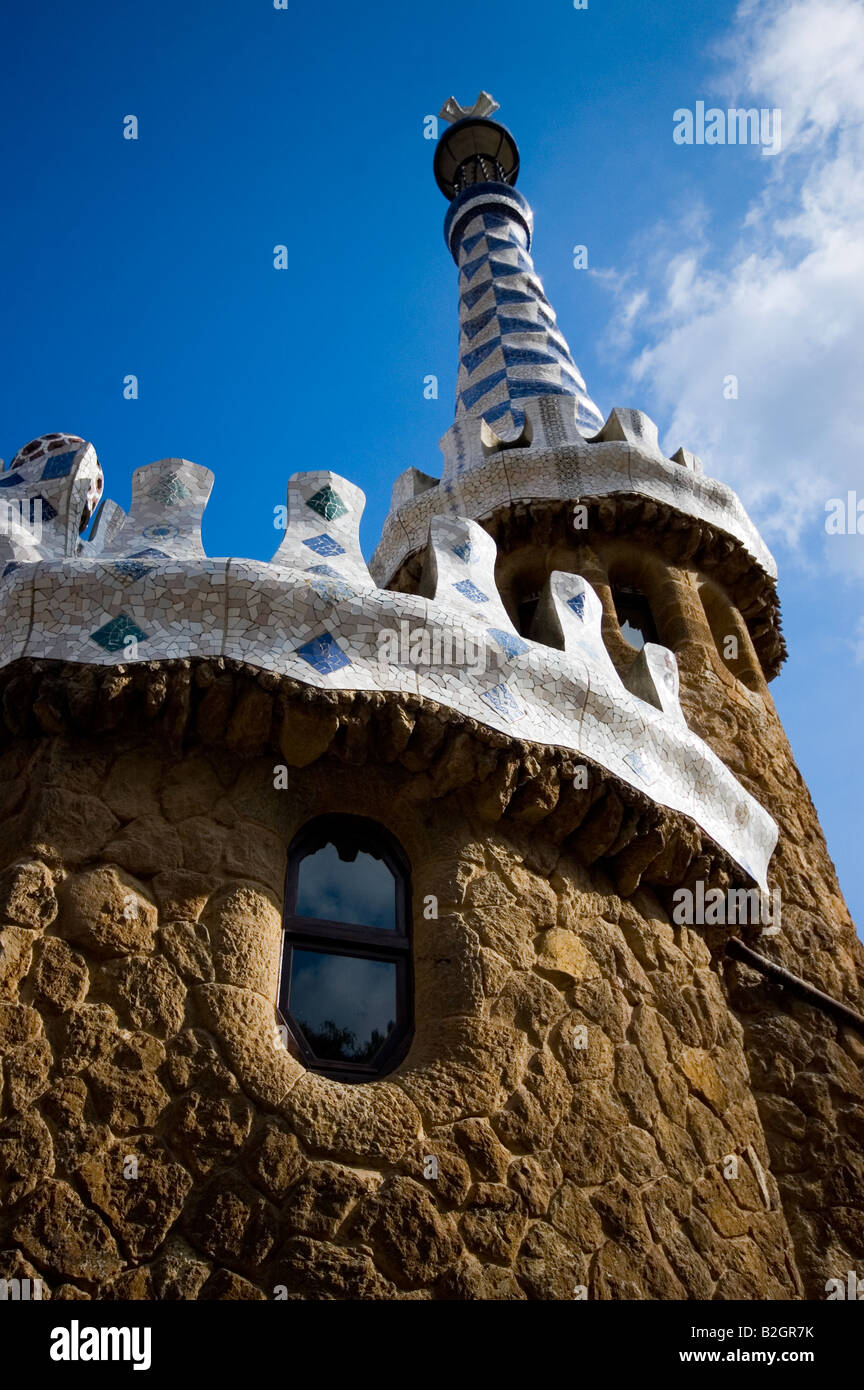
(141, 589)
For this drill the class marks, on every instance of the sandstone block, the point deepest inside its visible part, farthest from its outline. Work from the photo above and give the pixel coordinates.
(151, 994)
(547, 1266)
(16, 949)
(414, 1244)
(139, 1190)
(233, 1224)
(314, 1269)
(187, 946)
(26, 1155)
(106, 912)
(320, 1202)
(127, 1100)
(146, 846)
(55, 1228)
(59, 977)
(493, 1222)
(245, 927)
(27, 896)
(274, 1161)
(209, 1129)
(357, 1124)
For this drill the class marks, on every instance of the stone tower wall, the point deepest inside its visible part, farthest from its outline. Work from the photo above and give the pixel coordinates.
(141, 902)
(806, 1069)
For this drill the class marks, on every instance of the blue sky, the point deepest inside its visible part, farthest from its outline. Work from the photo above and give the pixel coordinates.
(304, 127)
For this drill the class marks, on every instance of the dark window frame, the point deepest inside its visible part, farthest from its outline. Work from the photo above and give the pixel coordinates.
(392, 945)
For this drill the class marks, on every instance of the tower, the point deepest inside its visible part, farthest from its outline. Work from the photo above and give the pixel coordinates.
(402, 934)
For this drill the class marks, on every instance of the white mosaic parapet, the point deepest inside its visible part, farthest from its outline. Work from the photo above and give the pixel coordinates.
(107, 522)
(570, 616)
(322, 531)
(459, 571)
(164, 520)
(654, 677)
(456, 647)
(562, 470)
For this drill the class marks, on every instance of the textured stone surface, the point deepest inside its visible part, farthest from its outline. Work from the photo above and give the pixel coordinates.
(581, 1068)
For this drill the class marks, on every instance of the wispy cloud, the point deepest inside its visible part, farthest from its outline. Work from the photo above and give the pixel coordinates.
(782, 311)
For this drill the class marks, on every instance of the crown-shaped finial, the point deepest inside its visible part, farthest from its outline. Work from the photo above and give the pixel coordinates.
(484, 106)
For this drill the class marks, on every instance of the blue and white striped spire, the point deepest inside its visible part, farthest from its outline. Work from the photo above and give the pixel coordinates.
(510, 347)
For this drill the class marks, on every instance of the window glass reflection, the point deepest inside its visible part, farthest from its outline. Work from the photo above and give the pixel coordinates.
(361, 892)
(345, 1005)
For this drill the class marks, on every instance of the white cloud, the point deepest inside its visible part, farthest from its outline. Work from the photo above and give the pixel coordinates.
(784, 309)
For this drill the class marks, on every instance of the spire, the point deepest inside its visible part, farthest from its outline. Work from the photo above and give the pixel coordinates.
(510, 347)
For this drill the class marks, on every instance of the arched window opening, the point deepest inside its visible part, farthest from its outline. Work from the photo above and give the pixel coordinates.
(730, 636)
(345, 985)
(635, 618)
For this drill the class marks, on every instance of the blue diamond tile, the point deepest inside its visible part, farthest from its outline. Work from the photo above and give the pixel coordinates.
(519, 390)
(500, 269)
(324, 545)
(498, 243)
(58, 465)
(327, 503)
(506, 294)
(497, 412)
(463, 551)
(324, 653)
(502, 700)
(470, 591)
(469, 242)
(115, 633)
(470, 268)
(577, 603)
(540, 357)
(510, 644)
(169, 490)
